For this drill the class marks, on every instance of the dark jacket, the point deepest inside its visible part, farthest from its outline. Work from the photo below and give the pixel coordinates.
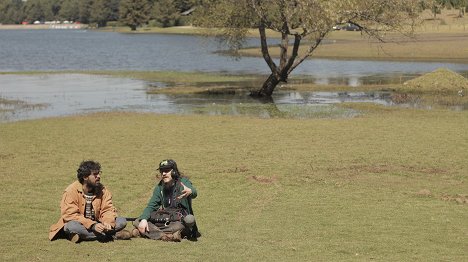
(157, 200)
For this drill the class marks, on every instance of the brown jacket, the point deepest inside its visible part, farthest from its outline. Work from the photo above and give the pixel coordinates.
(72, 207)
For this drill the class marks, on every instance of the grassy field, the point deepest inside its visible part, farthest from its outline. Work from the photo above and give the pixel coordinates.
(390, 185)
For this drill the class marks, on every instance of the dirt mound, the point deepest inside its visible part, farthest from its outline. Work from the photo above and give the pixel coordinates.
(440, 80)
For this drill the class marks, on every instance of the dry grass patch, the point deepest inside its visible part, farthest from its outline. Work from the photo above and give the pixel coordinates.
(441, 80)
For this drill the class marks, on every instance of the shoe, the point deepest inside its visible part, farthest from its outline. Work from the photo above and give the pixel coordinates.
(74, 238)
(123, 235)
(176, 236)
(136, 233)
(166, 237)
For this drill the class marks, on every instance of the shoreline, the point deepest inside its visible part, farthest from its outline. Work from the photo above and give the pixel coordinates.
(43, 26)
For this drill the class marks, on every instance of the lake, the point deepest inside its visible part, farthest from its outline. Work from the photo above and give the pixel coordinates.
(31, 50)
(51, 95)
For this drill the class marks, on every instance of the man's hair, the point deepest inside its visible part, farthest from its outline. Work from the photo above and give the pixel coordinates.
(85, 169)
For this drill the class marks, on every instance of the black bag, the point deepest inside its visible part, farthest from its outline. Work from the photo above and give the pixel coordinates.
(165, 216)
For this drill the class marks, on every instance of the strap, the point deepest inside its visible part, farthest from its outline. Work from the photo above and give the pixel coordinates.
(174, 201)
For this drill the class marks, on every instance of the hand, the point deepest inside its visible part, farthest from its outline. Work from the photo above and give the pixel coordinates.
(143, 226)
(107, 227)
(185, 192)
(99, 228)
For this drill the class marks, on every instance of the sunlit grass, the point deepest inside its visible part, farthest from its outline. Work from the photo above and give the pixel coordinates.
(380, 186)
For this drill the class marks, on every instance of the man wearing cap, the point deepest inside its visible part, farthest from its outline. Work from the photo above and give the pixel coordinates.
(169, 215)
(87, 212)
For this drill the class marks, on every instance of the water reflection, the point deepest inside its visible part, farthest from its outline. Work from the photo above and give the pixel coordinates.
(383, 98)
(354, 81)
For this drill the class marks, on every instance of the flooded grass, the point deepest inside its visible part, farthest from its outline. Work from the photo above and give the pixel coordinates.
(217, 94)
(173, 77)
(10, 109)
(9, 105)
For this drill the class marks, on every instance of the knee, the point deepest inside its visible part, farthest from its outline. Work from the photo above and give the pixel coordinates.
(189, 221)
(120, 223)
(74, 226)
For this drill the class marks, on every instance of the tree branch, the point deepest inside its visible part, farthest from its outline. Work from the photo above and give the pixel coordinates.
(311, 49)
(286, 70)
(265, 53)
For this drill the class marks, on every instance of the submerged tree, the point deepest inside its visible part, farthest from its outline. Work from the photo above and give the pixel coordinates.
(302, 23)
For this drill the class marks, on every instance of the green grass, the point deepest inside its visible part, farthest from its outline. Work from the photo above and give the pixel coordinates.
(269, 189)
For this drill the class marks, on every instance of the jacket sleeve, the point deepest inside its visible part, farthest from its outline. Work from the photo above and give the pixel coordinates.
(153, 204)
(107, 212)
(70, 210)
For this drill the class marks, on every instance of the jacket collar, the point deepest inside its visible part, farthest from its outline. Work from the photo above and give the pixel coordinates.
(78, 186)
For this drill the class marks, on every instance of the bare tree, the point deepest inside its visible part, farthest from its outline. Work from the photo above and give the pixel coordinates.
(302, 23)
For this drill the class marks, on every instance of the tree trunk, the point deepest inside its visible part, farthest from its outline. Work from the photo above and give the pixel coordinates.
(268, 87)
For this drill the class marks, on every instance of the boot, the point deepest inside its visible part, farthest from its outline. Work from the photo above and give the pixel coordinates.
(136, 233)
(174, 237)
(166, 237)
(123, 235)
(74, 238)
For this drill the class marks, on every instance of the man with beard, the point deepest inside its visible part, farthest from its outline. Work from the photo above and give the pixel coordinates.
(169, 215)
(87, 212)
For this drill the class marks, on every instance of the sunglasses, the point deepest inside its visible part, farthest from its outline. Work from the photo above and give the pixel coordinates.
(165, 170)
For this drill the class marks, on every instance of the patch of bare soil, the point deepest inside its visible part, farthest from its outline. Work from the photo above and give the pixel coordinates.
(424, 192)
(238, 169)
(378, 169)
(440, 80)
(459, 198)
(6, 156)
(264, 180)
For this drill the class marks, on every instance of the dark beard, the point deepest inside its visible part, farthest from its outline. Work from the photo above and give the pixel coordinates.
(96, 189)
(168, 188)
(169, 185)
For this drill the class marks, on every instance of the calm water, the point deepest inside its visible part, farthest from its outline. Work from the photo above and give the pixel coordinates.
(58, 95)
(26, 50)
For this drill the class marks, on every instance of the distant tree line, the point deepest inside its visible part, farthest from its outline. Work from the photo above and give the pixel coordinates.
(132, 13)
(436, 6)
